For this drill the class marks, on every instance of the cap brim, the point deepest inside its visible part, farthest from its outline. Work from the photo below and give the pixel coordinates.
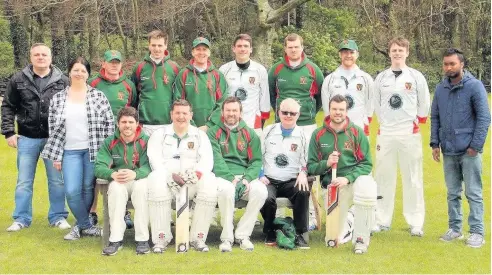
(205, 44)
(119, 59)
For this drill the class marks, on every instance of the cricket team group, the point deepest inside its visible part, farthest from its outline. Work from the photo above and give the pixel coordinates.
(151, 133)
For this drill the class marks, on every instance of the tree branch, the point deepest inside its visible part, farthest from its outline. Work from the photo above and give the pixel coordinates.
(274, 15)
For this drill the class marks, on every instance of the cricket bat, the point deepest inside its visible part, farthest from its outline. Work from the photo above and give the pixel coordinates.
(182, 218)
(317, 207)
(332, 212)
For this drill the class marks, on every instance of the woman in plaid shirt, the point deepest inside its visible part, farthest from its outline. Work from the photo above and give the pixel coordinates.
(80, 118)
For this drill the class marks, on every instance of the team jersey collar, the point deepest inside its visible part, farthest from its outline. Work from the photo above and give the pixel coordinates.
(104, 75)
(303, 60)
(327, 124)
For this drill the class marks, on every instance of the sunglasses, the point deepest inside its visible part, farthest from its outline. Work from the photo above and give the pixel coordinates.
(287, 113)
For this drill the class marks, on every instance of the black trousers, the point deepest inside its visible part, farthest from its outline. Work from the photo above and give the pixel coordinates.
(299, 199)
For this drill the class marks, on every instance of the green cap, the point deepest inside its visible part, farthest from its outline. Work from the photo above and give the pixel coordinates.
(112, 55)
(201, 40)
(348, 44)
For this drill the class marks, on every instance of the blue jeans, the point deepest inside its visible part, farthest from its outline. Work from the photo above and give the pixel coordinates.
(467, 169)
(28, 151)
(78, 175)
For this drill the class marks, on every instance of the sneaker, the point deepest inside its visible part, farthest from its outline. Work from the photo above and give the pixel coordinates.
(62, 224)
(416, 232)
(73, 235)
(379, 228)
(142, 248)
(271, 238)
(475, 240)
(128, 220)
(112, 248)
(225, 246)
(246, 244)
(360, 247)
(93, 218)
(301, 243)
(257, 222)
(160, 247)
(16, 226)
(451, 235)
(199, 245)
(92, 231)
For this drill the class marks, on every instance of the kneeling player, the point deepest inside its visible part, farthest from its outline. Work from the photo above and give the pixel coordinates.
(122, 159)
(341, 142)
(185, 151)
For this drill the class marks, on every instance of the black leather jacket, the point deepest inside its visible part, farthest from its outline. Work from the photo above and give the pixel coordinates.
(23, 100)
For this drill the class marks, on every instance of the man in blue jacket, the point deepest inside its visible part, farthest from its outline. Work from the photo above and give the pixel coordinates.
(460, 119)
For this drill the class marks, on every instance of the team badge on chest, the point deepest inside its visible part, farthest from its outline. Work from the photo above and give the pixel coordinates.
(408, 85)
(348, 145)
(120, 95)
(303, 80)
(252, 80)
(240, 145)
(191, 145)
(359, 87)
(293, 147)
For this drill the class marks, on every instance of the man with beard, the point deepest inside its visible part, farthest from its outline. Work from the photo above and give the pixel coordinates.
(248, 81)
(339, 141)
(402, 101)
(185, 151)
(122, 160)
(237, 162)
(460, 119)
(201, 84)
(285, 172)
(154, 78)
(121, 92)
(350, 81)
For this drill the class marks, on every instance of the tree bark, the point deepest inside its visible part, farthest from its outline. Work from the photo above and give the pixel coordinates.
(120, 29)
(18, 35)
(58, 39)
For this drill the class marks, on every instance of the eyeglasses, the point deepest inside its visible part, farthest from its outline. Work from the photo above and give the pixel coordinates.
(285, 113)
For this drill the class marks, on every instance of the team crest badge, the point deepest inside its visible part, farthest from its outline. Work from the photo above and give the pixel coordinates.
(378, 148)
(120, 95)
(293, 147)
(191, 145)
(240, 145)
(408, 85)
(252, 80)
(348, 145)
(302, 80)
(359, 87)
(114, 53)
(166, 79)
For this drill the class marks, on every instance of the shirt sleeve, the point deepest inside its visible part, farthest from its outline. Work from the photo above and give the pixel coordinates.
(326, 95)
(423, 99)
(264, 94)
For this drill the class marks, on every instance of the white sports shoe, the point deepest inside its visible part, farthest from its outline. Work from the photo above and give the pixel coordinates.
(16, 226)
(199, 245)
(246, 244)
(62, 224)
(416, 232)
(225, 246)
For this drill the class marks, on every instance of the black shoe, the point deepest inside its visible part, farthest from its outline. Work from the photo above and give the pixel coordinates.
(271, 238)
(142, 248)
(112, 248)
(128, 220)
(301, 243)
(93, 218)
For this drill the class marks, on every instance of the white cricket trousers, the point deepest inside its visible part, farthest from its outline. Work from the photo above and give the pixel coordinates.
(362, 193)
(118, 194)
(256, 199)
(206, 193)
(407, 151)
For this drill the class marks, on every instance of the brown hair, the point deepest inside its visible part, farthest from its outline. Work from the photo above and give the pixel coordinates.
(400, 41)
(338, 99)
(243, 36)
(128, 111)
(157, 34)
(181, 102)
(232, 99)
(293, 37)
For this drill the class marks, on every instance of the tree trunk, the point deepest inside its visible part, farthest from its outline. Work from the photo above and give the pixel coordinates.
(264, 38)
(94, 29)
(58, 39)
(120, 29)
(135, 34)
(18, 35)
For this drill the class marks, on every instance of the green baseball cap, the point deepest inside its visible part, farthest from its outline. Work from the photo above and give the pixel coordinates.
(201, 40)
(348, 44)
(112, 55)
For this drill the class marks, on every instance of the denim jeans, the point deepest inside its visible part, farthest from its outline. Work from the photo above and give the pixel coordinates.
(467, 169)
(78, 175)
(28, 151)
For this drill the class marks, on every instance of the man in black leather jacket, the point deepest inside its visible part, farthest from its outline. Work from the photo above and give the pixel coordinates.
(27, 101)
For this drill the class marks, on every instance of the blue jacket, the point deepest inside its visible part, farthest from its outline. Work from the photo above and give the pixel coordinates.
(460, 116)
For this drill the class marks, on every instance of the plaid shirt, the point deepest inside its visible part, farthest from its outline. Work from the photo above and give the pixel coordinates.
(99, 117)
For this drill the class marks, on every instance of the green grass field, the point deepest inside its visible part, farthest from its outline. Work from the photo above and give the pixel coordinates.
(41, 249)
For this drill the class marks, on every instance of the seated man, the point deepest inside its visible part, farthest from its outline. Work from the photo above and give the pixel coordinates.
(180, 148)
(237, 162)
(341, 142)
(285, 172)
(122, 159)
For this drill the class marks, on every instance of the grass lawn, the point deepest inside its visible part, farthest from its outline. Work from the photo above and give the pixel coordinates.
(41, 249)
